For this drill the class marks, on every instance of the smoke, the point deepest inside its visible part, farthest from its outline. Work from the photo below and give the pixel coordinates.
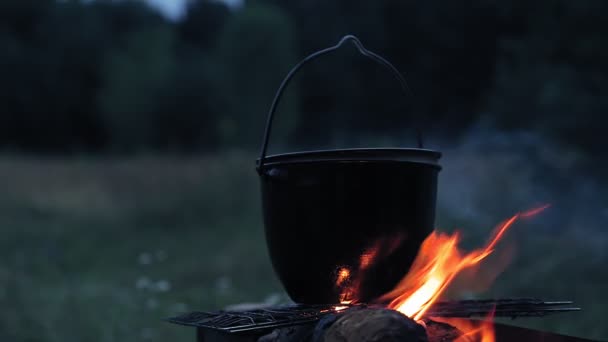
(489, 175)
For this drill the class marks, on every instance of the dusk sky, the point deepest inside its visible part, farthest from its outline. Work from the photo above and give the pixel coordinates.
(174, 9)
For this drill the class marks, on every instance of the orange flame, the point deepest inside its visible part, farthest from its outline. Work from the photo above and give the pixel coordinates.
(349, 282)
(533, 212)
(343, 282)
(436, 266)
(438, 262)
(343, 275)
(472, 330)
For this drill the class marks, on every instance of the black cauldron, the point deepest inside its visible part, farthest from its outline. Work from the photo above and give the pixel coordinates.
(323, 210)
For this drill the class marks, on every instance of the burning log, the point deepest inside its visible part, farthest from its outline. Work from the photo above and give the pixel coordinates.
(325, 323)
(357, 323)
(365, 324)
(328, 323)
(375, 325)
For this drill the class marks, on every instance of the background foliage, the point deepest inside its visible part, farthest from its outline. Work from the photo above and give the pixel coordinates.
(117, 76)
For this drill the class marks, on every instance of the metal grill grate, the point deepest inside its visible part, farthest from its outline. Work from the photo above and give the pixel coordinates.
(289, 315)
(240, 321)
(512, 308)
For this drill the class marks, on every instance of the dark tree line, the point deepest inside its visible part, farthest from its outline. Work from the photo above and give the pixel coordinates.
(115, 76)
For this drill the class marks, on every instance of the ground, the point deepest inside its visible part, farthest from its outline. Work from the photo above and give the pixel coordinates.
(102, 249)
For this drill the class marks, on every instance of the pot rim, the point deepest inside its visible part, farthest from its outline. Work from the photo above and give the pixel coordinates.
(410, 155)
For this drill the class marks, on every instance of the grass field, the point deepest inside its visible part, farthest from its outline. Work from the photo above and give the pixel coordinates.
(96, 249)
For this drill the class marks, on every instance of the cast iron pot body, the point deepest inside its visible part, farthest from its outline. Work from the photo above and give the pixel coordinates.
(324, 209)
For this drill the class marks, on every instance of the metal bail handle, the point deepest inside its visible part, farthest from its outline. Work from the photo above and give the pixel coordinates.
(375, 57)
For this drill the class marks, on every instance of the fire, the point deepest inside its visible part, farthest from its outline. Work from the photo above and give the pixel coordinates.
(343, 282)
(472, 331)
(437, 264)
(348, 282)
(343, 275)
(338, 308)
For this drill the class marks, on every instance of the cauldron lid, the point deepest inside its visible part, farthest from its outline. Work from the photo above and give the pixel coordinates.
(412, 155)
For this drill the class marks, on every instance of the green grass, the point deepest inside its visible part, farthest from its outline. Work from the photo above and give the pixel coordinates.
(103, 249)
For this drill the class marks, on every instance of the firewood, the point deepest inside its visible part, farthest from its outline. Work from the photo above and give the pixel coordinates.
(441, 332)
(375, 325)
(289, 334)
(366, 324)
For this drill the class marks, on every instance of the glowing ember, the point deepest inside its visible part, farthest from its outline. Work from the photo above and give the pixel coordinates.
(343, 275)
(348, 282)
(343, 282)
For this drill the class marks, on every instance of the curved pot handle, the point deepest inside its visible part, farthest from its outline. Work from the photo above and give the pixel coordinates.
(375, 57)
